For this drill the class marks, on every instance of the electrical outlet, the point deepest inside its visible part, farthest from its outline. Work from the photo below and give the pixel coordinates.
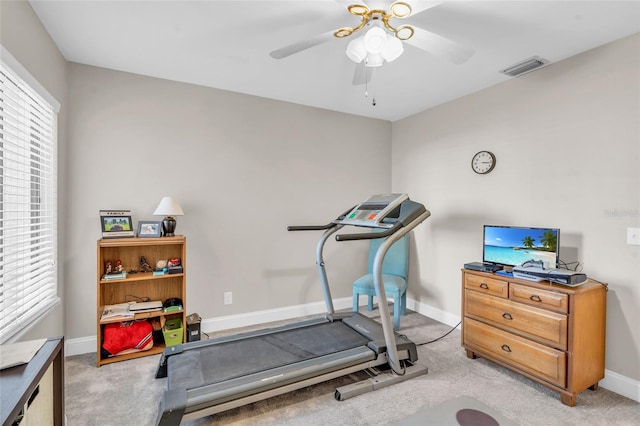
(633, 236)
(228, 298)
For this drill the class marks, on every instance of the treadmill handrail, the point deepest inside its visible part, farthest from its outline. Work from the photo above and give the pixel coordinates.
(310, 227)
(319, 227)
(385, 318)
(410, 215)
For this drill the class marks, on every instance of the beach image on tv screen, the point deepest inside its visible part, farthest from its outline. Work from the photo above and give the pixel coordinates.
(514, 246)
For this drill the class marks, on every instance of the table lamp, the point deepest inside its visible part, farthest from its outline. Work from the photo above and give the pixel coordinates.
(168, 207)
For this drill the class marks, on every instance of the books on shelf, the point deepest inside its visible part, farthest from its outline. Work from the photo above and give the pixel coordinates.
(129, 309)
(117, 310)
(154, 305)
(115, 276)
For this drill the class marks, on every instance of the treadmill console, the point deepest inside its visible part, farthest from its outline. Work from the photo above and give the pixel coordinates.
(372, 212)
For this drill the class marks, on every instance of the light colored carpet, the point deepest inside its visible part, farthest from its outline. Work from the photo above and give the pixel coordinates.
(127, 393)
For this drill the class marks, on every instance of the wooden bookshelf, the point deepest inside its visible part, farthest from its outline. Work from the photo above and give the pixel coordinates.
(139, 286)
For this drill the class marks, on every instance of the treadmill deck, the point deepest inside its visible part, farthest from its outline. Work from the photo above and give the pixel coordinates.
(233, 359)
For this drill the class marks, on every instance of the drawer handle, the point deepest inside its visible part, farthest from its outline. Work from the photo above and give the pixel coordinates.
(535, 298)
(506, 348)
(507, 316)
(483, 285)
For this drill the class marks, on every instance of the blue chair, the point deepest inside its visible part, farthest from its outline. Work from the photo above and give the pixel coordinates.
(395, 271)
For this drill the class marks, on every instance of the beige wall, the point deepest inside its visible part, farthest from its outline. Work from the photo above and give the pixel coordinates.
(22, 34)
(242, 168)
(567, 141)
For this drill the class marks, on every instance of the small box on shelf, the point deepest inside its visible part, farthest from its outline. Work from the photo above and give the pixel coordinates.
(172, 331)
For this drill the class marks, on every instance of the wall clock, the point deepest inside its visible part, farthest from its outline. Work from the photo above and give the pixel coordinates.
(483, 162)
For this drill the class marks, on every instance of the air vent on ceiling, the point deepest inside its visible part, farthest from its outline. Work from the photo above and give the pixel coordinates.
(525, 66)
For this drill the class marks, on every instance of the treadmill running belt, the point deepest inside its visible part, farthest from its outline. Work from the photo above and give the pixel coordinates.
(228, 360)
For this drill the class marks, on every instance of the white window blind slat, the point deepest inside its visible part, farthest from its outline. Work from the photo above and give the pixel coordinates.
(28, 210)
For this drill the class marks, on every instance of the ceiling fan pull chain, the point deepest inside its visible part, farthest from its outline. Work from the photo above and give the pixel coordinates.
(366, 82)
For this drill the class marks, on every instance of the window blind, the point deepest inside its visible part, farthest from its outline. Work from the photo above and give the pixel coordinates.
(28, 222)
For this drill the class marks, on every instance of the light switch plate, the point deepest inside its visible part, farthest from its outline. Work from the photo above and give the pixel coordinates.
(633, 236)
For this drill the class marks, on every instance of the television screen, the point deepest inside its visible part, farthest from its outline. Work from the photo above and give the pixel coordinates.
(512, 246)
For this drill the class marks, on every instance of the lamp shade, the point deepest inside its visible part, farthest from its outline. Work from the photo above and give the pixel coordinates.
(356, 50)
(375, 47)
(375, 39)
(168, 207)
(393, 49)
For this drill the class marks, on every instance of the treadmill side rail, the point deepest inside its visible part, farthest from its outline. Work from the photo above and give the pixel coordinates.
(162, 365)
(172, 406)
(221, 392)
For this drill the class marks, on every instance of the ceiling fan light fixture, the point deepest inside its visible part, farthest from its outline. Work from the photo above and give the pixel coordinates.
(375, 40)
(356, 50)
(392, 49)
(374, 60)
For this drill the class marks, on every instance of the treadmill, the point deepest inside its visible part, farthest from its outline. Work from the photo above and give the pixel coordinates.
(210, 376)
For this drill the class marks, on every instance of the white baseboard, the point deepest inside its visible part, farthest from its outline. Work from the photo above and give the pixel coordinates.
(79, 346)
(433, 313)
(612, 381)
(621, 385)
(270, 315)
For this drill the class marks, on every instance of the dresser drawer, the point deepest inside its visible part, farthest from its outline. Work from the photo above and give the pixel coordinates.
(543, 326)
(541, 361)
(544, 299)
(486, 285)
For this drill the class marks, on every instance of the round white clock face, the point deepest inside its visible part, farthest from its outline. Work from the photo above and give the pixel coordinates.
(483, 162)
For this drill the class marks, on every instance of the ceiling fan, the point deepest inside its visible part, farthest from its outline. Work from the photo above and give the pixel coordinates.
(382, 38)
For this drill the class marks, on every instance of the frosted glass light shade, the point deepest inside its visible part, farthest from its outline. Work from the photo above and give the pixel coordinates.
(375, 39)
(392, 49)
(374, 60)
(356, 50)
(375, 47)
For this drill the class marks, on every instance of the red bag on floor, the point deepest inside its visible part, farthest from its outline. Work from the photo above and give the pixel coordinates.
(130, 336)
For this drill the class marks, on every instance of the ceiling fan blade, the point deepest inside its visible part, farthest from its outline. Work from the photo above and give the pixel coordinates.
(347, 3)
(418, 6)
(301, 45)
(362, 74)
(440, 46)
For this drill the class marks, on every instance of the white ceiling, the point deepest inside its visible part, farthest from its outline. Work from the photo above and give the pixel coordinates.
(226, 45)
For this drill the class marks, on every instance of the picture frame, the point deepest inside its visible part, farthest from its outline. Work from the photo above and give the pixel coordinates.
(116, 224)
(149, 229)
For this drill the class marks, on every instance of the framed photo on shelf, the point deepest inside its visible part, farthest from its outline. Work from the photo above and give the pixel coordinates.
(149, 229)
(116, 224)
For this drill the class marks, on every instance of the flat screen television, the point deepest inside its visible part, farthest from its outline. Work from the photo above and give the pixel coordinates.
(514, 245)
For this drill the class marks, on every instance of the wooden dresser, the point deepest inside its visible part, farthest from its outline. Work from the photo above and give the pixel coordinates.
(550, 333)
